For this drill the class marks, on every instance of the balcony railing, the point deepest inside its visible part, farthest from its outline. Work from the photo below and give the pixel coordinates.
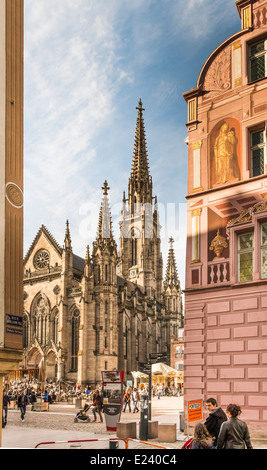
(219, 271)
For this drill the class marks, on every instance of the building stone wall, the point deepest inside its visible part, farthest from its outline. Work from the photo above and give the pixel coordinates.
(225, 295)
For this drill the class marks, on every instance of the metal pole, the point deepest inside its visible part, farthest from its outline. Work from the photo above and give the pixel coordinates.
(149, 395)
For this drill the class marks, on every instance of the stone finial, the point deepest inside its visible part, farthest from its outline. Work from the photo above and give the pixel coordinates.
(218, 244)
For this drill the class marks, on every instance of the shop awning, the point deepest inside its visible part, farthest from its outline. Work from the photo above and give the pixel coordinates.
(161, 369)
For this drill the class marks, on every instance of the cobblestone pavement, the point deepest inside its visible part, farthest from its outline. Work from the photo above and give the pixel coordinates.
(57, 424)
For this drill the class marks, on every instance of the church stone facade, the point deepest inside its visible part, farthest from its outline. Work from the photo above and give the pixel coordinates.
(111, 309)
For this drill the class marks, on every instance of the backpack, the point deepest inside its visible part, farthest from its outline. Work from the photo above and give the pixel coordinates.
(187, 444)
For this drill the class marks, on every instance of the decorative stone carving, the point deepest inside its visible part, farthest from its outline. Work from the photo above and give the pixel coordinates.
(218, 244)
(246, 215)
(260, 17)
(56, 290)
(224, 149)
(218, 77)
(14, 195)
(41, 259)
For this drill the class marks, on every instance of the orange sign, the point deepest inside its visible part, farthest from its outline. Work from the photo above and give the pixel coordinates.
(194, 410)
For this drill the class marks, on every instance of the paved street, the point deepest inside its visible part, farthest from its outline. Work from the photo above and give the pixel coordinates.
(57, 425)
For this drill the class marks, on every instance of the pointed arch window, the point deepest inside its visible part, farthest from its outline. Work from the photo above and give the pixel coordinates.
(134, 251)
(75, 324)
(26, 330)
(54, 327)
(106, 272)
(41, 319)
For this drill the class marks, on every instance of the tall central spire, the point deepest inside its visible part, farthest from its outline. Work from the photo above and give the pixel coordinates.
(140, 258)
(140, 168)
(140, 182)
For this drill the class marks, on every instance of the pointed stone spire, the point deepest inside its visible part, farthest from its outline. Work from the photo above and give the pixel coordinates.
(140, 181)
(171, 278)
(87, 256)
(67, 241)
(140, 167)
(105, 222)
(87, 263)
(104, 252)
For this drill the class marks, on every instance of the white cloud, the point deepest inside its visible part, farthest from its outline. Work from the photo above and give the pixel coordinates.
(197, 19)
(87, 62)
(71, 77)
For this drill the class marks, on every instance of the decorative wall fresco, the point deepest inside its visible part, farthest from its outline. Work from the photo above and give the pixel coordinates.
(225, 152)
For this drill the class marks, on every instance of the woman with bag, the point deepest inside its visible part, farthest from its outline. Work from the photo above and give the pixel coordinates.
(234, 433)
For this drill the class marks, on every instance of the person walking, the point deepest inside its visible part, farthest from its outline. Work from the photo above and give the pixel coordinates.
(127, 401)
(136, 399)
(6, 402)
(98, 405)
(22, 403)
(234, 433)
(202, 439)
(215, 419)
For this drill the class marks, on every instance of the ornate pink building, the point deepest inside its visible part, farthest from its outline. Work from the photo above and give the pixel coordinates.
(225, 353)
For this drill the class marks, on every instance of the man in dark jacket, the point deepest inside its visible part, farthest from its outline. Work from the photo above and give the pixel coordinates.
(6, 402)
(22, 403)
(215, 419)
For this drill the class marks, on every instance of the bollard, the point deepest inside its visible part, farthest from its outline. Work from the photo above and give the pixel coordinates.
(144, 418)
(181, 421)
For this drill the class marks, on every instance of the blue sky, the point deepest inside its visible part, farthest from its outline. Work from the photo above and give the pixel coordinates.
(87, 63)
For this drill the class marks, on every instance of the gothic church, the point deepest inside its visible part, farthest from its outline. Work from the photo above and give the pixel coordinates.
(112, 309)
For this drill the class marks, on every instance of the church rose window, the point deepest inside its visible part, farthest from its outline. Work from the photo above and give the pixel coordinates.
(41, 259)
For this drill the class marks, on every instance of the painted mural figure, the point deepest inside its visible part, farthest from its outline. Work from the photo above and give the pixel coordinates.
(224, 149)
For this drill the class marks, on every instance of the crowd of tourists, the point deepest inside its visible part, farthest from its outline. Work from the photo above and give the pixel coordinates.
(220, 430)
(50, 392)
(62, 391)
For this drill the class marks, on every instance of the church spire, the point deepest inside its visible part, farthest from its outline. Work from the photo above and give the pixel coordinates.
(171, 278)
(140, 168)
(140, 182)
(67, 241)
(105, 222)
(87, 263)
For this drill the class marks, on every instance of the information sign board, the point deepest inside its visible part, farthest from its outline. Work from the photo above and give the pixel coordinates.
(194, 411)
(112, 397)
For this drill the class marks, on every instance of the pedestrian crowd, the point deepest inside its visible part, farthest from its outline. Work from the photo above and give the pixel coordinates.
(220, 430)
(21, 393)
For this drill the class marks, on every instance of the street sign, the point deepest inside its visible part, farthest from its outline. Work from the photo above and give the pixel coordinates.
(153, 355)
(194, 410)
(157, 357)
(144, 367)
